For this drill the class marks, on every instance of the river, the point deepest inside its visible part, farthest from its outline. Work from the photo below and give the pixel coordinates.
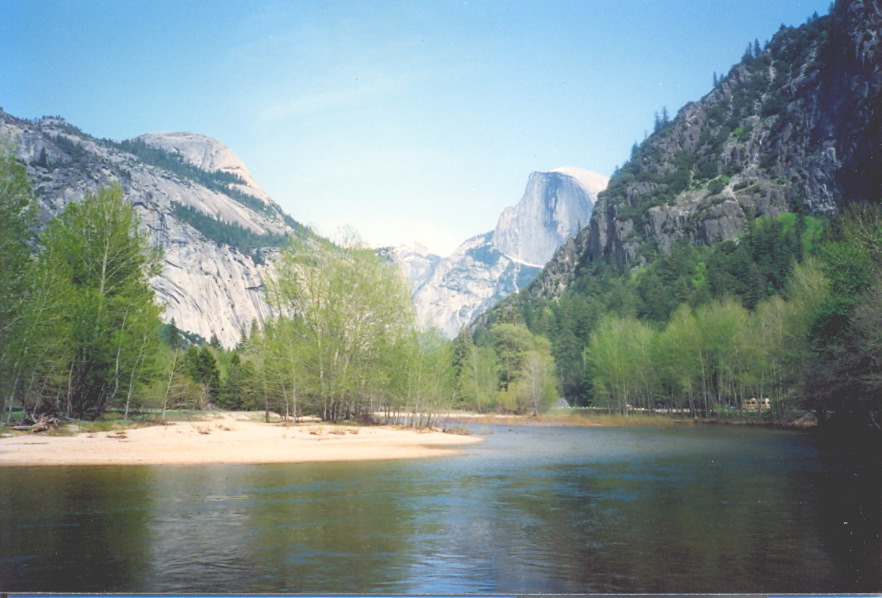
(530, 510)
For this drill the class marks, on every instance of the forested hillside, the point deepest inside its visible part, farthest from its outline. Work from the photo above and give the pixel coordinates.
(736, 253)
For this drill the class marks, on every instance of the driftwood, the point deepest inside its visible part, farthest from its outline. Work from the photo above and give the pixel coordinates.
(41, 424)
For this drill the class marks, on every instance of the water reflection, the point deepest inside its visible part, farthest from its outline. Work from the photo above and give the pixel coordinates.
(61, 530)
(530, 510)
(848, 497)
(198, 528)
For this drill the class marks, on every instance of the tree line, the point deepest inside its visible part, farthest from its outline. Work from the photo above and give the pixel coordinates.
(791, 310)
(82, 332)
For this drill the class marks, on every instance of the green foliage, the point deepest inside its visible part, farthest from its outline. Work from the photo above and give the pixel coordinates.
(238, 388)
(177, 338)
(349, 311)
(617, 359)
(751, 269)
(758, 264)
(790, 311)
(18, 278)
(95, 322)
(18, 219)
(201, 366)
(843, 385)
(706, 359)
(525, 368)
(423, 378)
(479, 378)
(233, 235)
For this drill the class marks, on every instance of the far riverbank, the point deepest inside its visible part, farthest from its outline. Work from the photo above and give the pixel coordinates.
(602, 418)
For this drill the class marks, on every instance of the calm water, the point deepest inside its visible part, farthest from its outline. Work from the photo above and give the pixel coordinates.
(529, 510)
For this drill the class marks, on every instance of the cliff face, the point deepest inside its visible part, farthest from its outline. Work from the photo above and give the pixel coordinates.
(450, 292)
(470, 280)
(795, 126)
(555, 206)
(216, 232)
(852, 97)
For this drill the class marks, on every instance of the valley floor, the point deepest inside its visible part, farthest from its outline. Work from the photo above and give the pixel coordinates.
(226, 438)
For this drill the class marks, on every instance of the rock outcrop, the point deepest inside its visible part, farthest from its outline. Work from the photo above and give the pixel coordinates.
(216, 232)
(470, 280)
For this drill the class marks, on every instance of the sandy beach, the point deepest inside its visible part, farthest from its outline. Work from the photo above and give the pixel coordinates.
(228, 438)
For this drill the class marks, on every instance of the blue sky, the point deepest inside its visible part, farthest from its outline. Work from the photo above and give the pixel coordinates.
(407, 120)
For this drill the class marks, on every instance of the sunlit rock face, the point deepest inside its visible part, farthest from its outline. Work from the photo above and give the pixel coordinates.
(211, 288)
(555, 206)
(470, 280)
(450, 292)
(208, 287)
(209, 155)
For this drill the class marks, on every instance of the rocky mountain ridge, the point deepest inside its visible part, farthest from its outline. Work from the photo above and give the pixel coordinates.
(213, 221)
(218, 227)
(793, 127)
(450, 292)
(209, 155)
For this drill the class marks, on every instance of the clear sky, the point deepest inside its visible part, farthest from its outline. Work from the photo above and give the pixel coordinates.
(415, 120)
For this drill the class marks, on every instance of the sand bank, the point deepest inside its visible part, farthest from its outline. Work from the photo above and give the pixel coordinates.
(228, 438)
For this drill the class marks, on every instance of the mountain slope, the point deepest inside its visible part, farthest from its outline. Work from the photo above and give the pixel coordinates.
(794, 127)
(470, 280)
(199, 202)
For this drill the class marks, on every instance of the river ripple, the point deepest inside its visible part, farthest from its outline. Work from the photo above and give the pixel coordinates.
(574, 510)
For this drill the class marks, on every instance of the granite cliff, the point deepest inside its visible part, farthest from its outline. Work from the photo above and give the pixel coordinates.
(216, 225)
(450, 292)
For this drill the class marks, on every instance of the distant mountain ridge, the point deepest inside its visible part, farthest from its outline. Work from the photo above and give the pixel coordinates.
(216, 225)
(450, 292)
(555, 206)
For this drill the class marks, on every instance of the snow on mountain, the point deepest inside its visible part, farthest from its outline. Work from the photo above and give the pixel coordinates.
(554, 207)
